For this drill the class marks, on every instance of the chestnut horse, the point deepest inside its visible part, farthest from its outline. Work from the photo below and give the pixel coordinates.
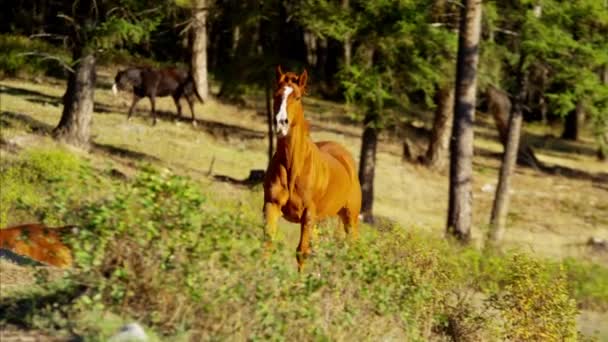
(38, 242)
(306, 181)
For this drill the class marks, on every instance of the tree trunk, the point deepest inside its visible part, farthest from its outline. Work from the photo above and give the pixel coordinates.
(602, 150)
(461, 155)
(78, 101)
(437, 154)
(574, 121)
(311, 47)
(270, 122)
(367, 167)
(348, 42)
(199, 48)
(500, 207)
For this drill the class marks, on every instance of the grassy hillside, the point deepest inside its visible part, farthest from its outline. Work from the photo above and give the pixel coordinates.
(165, 242)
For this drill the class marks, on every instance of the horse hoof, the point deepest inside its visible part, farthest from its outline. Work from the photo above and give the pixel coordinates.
(194, 123)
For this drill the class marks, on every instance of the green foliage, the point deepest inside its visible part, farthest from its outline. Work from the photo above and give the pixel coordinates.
(32, 183)
(533, 306)
(401, 55)
(564, 41)
(159, 250)
(139, 249)
(118, 30)
(21, 54)
(588, 283)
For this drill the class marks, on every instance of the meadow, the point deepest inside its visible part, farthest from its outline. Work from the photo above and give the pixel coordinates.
(166, 240)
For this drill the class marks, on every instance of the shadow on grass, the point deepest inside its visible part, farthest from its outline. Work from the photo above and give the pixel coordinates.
(255, 177)
(122, 152)
(19, 311)
(56, 101)
(34, 125)
(217, 129)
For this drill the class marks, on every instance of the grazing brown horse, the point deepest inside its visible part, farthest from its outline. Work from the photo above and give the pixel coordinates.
(37, 242)
(152, 83)
(306, 181)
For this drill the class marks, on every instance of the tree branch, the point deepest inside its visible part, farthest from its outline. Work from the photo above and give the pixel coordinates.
(46, 56)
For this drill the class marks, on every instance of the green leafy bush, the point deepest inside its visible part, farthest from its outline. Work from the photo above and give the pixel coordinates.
(24, 55)
(31, 180)
(160, 250)
(534, 305)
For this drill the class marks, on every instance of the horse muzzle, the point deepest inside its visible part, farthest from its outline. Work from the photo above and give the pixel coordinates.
(282, 130)
(114, 89)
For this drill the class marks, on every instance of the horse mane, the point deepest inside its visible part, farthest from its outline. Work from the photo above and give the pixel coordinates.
(306, 127)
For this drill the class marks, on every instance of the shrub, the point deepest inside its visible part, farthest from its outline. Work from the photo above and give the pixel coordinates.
(588, 283)
(163, 252)
(34, 182)
(535, 305)
(15, 58)
(138, 250)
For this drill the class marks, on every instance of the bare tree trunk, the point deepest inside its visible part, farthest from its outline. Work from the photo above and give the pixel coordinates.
(78, 101)
(500, 207)
(460, 213)
(367, 167)
(602, 150)
(311, 47)
(348, 42)
(437, 154)
(199, 47)
(270, 123)
(573, 123)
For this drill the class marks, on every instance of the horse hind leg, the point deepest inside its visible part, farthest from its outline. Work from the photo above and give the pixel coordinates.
(350, 221)
(177, 105)
(153, 110)
(191, 104)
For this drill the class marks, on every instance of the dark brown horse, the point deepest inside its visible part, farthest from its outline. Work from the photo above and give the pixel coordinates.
(152, 83)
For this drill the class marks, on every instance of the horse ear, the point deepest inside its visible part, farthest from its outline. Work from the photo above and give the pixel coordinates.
(302, 80)
(279, 73)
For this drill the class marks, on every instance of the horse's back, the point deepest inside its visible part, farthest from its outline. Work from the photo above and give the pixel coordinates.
(341, 154)
(344, 181)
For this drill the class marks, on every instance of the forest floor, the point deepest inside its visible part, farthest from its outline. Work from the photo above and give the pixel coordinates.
(551, 214)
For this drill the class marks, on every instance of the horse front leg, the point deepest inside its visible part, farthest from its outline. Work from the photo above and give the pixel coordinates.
(153, 105)
(306, 226)
(177, 105)
(135, 100)
(272, 213)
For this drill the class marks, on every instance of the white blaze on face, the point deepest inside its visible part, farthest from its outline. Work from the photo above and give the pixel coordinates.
(114, 89)
(281, 117)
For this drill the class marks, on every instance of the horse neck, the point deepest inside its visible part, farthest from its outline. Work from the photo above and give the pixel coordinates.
(295, 143)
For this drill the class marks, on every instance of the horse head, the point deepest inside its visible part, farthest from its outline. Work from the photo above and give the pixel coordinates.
(126, 79)
(288, 101)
